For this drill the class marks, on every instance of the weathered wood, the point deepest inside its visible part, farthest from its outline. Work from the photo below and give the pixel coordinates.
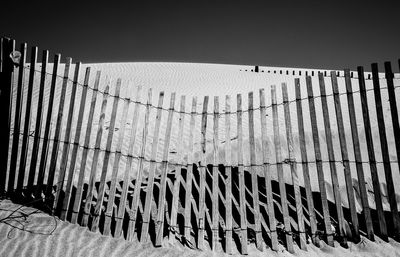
(385, 152)
(189, 176)
(71, 172)
(139, 174)
(293, 168)
(331, 157)
(215, 174)
(67, 136)
(111, 195)
(177, 179)
(304, 164)
(39, 117)
(57, 134)
(46, 140)
(152, 169)
(128, 167)
(17, 119)
(242, 186)
(345, 157)
(202, 171)
(228, 172)
(279, 167)
(93, 169)
(393, 108)
(370, 147)
(267, 173)
(318, 160)
(100, 195)
(164, 170)
(85, 152)
(27, 122)
(6, 88)
(253, 172)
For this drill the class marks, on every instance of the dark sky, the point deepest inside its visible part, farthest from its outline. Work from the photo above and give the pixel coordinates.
(308, 34)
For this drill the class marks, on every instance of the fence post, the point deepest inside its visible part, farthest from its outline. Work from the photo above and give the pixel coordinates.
(228, 172)
(6, 71)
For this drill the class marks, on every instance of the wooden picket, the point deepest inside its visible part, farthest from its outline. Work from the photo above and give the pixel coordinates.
(228, 171)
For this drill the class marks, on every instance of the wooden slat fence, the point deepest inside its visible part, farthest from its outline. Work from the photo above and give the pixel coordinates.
(278, 172)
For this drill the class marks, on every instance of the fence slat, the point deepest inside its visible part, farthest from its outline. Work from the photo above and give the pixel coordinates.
(45, 147)
(57, 134)
(393, 108)
(102, 187)
(111, 195)
(267, 172)
(242, 186)
(139, 174)
(93, 169)
(304, 164)
(254, 179)
(345, 157)
(202, 171)
(17, 119)
(385, 152)
(189, 176)
(164, 171)
(67, 136)
(128, 167)
(331, 157)
(177, 180)
(228, 173)
(370, 146)
(293, 168)
(318, 160)
(150, 179)
(27, 122)
(215, 174)
(85, 152)
(71, 172)
(279, 167)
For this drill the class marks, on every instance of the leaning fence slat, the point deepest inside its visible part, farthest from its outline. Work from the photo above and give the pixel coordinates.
(177, 180)
(93, 169)
(253, 172)
(17, 118)
(128, 167)
(164, 171)
(118, 153)
(242, 189)
(39, 117)
(228, 173)
(74, 154)
(67, 136)
(393, 108)
(150, 179)
(318, 160)
(279, 167)
(139, 174)
(385, 152)
(345, 157)
(215, 189)
(293, 168)
(85, 152)
(189, 176)
(27, 122)
(331, 157)
(45, 147)
(100, 195)
(304, 165)
(202, 170)
(57, 135)
(370, 147)
(267, 173)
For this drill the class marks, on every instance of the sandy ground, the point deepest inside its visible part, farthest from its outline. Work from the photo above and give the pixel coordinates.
(39, 234)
